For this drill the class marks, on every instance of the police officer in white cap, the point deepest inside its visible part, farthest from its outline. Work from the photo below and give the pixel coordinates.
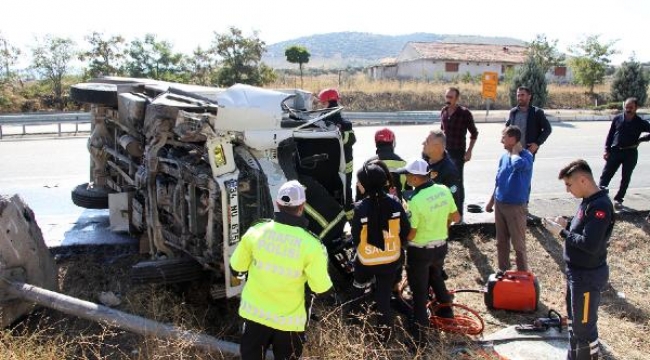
(432, 208)
(280, 256)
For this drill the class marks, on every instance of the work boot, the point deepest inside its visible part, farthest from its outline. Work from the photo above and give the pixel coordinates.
(618, 205)
(445, 312)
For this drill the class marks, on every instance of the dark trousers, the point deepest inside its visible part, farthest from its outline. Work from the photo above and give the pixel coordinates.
(458, 157)
(257, 338)
(384, 282)
(582, 301)
(424, 270)
(628, 159)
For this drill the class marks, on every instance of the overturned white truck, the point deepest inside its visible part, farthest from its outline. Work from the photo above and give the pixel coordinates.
(191, 168)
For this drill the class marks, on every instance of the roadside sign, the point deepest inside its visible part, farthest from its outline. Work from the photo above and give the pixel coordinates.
(490, 80)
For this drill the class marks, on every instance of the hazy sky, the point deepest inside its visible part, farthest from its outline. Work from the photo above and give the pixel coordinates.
(189, 23)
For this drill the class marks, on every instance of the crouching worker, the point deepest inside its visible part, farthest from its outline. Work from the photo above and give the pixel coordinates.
(379, 228)
(586, 239)
(280, 256)
(432, 209)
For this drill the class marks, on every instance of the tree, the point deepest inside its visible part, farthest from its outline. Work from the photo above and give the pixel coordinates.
(51, 59)
(531, 75)
(202, 67)
(150, 58)
(545, 52)
(241, 58)
(8, 57)
(297, 55)
(105, 56)
(590, 60)
(630, 81)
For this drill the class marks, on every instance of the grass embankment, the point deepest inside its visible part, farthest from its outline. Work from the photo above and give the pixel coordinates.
(359, 93)
(624, 314)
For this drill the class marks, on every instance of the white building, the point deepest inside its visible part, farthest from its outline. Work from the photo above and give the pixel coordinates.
(448, 61)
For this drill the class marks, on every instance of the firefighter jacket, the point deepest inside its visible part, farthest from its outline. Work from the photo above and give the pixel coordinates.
(349, 138)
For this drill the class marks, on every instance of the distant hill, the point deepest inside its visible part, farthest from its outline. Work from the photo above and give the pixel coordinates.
(343, 49)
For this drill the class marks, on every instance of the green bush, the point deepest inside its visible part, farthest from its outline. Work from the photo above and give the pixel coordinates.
(531, 75)
(630, 81)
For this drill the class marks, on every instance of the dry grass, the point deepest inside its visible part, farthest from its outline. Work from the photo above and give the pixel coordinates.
(624, 320)
(363, 94)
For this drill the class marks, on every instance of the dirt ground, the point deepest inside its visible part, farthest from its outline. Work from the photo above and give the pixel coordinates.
(624, 316)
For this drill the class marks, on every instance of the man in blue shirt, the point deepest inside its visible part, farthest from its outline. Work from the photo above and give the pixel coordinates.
(510, 199)
(621, 148)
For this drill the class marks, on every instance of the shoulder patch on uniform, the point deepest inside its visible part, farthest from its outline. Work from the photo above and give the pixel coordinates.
(453, 189)
(600, 214)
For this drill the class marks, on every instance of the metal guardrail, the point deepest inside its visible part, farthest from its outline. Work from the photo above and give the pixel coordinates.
(398, 117)
(360, 118)
(29, 119)
(32, 119)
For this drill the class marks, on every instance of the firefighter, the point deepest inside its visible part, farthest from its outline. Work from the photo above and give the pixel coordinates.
(379, 229)
(330, 98)
(280, 256)
(586, 239)
(385, 144)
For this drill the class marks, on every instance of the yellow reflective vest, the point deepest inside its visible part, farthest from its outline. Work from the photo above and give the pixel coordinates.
(371, 255)
(279, 259)
(398, 229)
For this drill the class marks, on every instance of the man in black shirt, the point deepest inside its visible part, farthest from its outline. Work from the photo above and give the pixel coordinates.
(586, 239)
(531, 120)
(621, 148)
(443, 170)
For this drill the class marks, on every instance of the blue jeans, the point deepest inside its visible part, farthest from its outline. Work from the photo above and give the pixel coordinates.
(582, 300)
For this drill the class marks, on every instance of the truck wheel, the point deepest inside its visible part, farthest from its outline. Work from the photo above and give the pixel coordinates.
(90, 197)
(95, 93)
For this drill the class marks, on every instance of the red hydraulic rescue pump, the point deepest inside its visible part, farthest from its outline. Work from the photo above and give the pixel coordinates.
(513, 291)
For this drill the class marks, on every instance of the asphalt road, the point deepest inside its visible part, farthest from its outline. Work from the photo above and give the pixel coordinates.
(567, 142)
(43, 171)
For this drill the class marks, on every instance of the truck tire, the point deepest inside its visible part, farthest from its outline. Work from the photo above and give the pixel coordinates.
(95, 93)
(90, 197)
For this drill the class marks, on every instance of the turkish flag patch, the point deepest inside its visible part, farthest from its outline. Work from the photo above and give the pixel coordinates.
(600, 214)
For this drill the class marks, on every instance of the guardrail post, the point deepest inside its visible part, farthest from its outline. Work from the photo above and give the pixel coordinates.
(59, 125)
(0, 131)
(24, 132)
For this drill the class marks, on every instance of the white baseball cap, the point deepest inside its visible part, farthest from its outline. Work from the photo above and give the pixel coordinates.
(291, 193)
(414, 166)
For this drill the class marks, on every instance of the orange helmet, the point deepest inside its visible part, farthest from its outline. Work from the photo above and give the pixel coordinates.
(385, 135)
(328, 95)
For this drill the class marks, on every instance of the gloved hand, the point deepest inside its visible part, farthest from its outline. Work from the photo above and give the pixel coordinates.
(349, 214)
(551, 226)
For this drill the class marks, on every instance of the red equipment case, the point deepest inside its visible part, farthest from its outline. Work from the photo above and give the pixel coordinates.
(512, 290)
